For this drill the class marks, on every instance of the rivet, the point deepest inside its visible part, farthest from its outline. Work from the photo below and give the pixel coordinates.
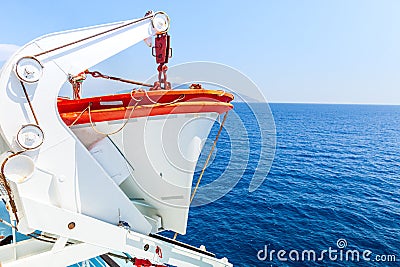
(61, 178)
(71, 225)
(146, 247)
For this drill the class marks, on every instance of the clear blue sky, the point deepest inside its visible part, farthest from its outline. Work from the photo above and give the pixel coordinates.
(342, 51)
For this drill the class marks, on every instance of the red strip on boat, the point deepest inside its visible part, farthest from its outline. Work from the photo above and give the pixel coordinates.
(149, 103)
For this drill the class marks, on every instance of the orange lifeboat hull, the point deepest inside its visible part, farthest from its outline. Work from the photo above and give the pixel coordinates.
(142, 104)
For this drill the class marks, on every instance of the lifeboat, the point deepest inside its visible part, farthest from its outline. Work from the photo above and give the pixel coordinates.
(149, 143)
(142, 104)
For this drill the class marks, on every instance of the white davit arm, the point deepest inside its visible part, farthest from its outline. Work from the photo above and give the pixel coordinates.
(59, 177)
(80, 49)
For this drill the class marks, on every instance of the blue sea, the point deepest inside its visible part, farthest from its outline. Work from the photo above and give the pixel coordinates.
(333, 185)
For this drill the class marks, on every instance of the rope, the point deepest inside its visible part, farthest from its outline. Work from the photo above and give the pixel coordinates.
(7, 187)
(92, 36)
(182, 96)
(29, 102)
(206, 163)
(79, 116)
(134, 91)
(222, 93)
(118, 130)
(209, 157)
(137, 102)
(97, 74)
(3, 180)
(7, 223)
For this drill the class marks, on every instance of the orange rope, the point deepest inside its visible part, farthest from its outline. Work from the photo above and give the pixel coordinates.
(206, 163)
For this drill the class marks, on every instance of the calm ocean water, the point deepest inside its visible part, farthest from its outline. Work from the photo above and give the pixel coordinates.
(335, 176)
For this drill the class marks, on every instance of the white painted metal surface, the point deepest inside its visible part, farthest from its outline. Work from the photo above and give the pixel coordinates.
(75, 197)
(70, 169)
(159, 156)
